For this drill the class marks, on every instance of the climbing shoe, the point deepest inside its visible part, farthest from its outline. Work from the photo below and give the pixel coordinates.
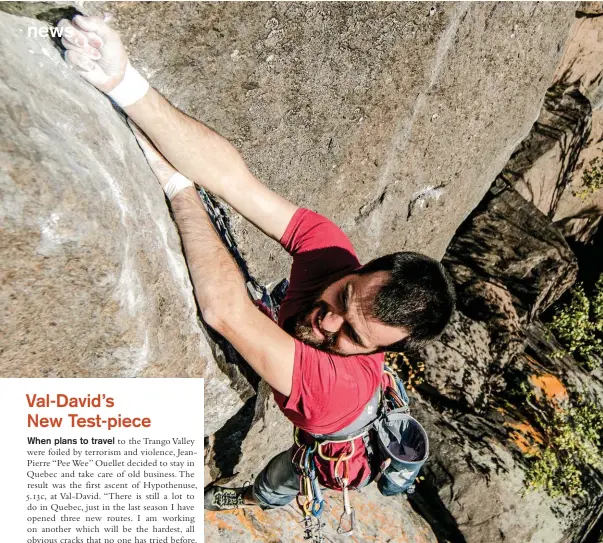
(219, 498)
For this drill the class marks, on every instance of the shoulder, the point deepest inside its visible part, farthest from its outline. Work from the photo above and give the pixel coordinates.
(310, 231)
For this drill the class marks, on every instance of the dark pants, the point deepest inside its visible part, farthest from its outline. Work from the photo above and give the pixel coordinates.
(278, 483)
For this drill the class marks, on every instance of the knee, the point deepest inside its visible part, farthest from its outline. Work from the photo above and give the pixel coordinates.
(266, 499)
(269, 494)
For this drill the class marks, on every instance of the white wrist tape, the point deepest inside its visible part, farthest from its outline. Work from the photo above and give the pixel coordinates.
(177, 183)
(131, 89)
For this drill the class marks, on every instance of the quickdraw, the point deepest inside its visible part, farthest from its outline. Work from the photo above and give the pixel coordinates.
(313, 502)
(347, 521)
(309, 499)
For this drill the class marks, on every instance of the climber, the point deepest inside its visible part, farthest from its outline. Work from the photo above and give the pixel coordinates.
(324, 359)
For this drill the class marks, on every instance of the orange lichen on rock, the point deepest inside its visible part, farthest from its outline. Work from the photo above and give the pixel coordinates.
(526, 437)
(253, 522)
(550, 387)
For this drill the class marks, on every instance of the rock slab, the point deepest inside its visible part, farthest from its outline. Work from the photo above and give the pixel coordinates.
(390, 118)
(94, 283)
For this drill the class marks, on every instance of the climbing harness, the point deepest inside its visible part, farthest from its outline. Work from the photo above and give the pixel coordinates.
(387, 430)
(310, 497)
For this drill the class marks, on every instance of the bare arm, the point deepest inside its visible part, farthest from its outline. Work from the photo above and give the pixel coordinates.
(97, 53)
(219, 286)
(222, 297)
(212, 162)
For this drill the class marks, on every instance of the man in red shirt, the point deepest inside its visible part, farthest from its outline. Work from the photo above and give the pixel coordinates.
(324, 360)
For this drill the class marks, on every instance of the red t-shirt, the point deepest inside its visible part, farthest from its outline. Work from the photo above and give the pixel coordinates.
(329, 391)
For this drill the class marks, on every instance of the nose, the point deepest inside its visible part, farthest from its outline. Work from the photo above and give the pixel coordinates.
(331, 322)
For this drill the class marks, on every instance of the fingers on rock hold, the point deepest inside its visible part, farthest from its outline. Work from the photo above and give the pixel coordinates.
(70, 34)
(80, 61)
(96, 25)
(94, 40)
(87, 51)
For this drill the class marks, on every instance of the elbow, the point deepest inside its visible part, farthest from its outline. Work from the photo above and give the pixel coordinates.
(214, 318)
(222, 316)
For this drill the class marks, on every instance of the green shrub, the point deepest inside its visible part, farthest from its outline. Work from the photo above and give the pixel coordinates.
(572, 443)
(592, 179)
(578, 325)
(597, 305)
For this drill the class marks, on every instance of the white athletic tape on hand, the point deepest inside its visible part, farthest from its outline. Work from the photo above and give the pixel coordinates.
(177, 183)
(131, 89)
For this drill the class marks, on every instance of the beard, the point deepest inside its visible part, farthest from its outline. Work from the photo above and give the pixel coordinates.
(302, 329)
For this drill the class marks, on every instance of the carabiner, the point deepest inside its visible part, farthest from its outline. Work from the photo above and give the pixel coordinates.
(307, 458)
(317, 507)
(348, 529)
(318, 503)
(348, 514)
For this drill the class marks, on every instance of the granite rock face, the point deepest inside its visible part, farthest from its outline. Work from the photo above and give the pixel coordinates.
(581, 62)
(377, 519)
(548, 167)
(543, 165)
(392, 119)
(94, 283)
(509, 263)
(508, 243)
(474, 489)
(589, 9)
(459, 363)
